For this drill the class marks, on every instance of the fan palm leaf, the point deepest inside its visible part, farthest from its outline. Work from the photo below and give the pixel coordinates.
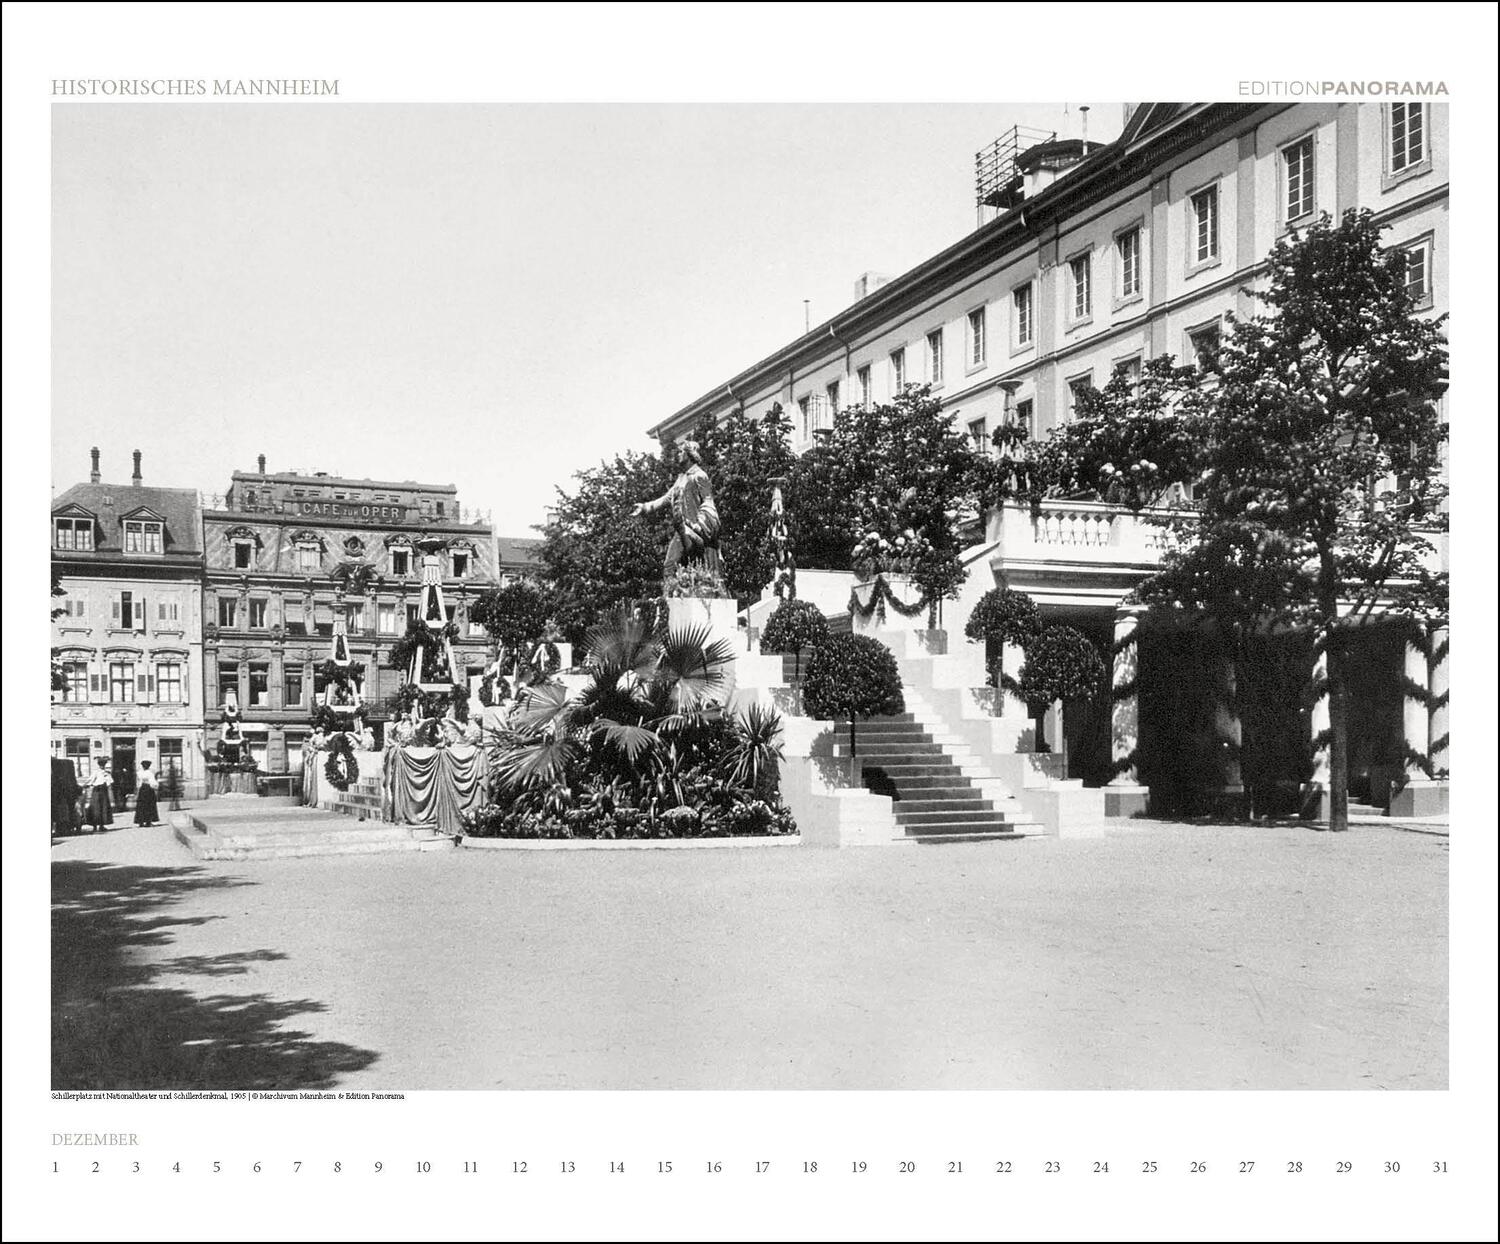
(622, 643)
(693, 666)
(543, 706)
(537, 761)
(631, 741)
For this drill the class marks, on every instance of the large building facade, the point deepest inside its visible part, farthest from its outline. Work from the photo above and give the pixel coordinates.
(287, 554)
(1098, 257)
(128, 639)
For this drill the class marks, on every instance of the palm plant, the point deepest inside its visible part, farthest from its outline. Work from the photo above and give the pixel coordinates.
(753, 758)
(641, 722)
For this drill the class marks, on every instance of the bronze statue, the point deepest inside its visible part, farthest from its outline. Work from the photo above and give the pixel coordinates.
(695, 518)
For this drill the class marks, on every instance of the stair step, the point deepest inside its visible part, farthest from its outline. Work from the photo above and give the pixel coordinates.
(930, 839)
(956, 802)
(980, 816)
(950, 780)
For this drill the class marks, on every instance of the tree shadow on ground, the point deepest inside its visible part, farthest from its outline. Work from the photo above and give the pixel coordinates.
(115, 1027)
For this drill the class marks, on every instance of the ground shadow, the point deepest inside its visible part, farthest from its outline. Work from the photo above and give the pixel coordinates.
(115, 1027)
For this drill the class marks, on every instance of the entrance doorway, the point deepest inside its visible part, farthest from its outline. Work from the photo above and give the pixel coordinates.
(122, 771)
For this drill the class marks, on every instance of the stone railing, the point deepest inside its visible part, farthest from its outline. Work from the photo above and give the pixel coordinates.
(1073, 523)
(1091, 531)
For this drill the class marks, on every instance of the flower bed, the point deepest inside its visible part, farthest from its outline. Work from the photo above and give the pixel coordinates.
(753, 818)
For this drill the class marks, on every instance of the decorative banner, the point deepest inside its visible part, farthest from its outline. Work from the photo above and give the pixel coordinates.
(432, 785)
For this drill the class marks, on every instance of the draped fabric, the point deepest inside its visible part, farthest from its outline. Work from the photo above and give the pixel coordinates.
(312, 776)
(432, 785)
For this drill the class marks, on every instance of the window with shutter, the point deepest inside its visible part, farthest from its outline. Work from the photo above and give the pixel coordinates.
(114, 612)
(140, 614)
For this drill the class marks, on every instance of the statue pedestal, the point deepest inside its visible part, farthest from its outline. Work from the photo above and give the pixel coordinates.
(719, 615)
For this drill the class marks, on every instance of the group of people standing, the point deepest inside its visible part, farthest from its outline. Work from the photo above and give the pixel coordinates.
(73, 805)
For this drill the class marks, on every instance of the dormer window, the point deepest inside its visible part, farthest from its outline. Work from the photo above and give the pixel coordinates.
(244, 554)
(400, 561)
(460, 565)
(73, 534)
(142, 537)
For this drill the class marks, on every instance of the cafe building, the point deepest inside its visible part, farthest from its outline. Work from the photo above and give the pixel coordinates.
(289, 553)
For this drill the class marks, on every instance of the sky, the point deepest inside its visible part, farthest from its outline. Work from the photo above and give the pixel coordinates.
(493, 296)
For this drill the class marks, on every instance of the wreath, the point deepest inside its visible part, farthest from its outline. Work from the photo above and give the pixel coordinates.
(340, 768)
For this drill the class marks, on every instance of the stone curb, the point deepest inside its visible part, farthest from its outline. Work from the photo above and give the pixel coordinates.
(626, 844)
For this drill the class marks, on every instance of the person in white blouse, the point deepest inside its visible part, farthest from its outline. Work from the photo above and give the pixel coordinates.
(145, 796)
(99, 814)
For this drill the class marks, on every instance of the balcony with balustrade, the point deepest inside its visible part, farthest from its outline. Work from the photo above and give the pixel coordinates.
(1076, 553)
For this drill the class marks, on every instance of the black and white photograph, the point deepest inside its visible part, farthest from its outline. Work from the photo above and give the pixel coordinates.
(624, 598)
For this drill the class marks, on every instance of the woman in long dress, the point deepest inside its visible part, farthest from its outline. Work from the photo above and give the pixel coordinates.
(100, 814)
(145, 796)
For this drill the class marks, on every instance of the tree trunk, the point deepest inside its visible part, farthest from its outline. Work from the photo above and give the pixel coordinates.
(1338, 743)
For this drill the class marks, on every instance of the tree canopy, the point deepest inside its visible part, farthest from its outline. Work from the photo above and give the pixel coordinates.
(1314, 446)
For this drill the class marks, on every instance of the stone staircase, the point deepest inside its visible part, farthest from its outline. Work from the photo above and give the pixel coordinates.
(275, 829)
(361, 800)
(933, 799)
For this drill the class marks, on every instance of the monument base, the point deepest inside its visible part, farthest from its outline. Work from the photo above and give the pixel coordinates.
(1420, 797)
(1126, 799)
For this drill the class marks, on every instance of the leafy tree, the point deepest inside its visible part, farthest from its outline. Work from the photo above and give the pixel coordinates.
(1127, 441)
(1060, 664)
(852, 676)
(517, 617)
(1000, 617)
(1316, 455)
(594, 555)
(742, 456)
(887, 470)
(794, 625)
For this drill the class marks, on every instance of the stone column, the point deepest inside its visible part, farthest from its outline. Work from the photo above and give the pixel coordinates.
(1437, 680)
(1315, 793)
(1125, 796)
(1421, 796)
(1231, 735)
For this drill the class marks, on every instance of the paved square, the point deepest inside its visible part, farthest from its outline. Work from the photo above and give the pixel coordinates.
(1162, 956)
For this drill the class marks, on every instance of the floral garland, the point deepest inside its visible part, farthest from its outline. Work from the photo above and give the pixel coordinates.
(340, 768)
(880, 596)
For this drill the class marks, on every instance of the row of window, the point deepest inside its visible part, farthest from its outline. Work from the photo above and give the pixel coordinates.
(1407, 151)
(169, 764)
(1202, 341)
(77, 535)
(123, 682)
(309, 559)
(128, 611)
(390, 618)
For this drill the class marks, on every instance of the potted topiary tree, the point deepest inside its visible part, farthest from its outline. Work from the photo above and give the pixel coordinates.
(1002, 617)
(793, 626)
(1060, 664)
(852, 676)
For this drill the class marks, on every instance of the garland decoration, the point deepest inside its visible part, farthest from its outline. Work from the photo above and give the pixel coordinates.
(881, 596)
(340, 768)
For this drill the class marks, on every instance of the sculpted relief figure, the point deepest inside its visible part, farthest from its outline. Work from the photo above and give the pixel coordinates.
(695, 518)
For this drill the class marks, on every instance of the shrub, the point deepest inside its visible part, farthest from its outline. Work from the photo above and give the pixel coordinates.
(794, 626)
(1002, 617)
(1060, 664)
(852, 676)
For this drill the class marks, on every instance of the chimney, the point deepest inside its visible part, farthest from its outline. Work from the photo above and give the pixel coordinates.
(94, 470)
(1084, 112)
(261, 464)
(135, 476)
